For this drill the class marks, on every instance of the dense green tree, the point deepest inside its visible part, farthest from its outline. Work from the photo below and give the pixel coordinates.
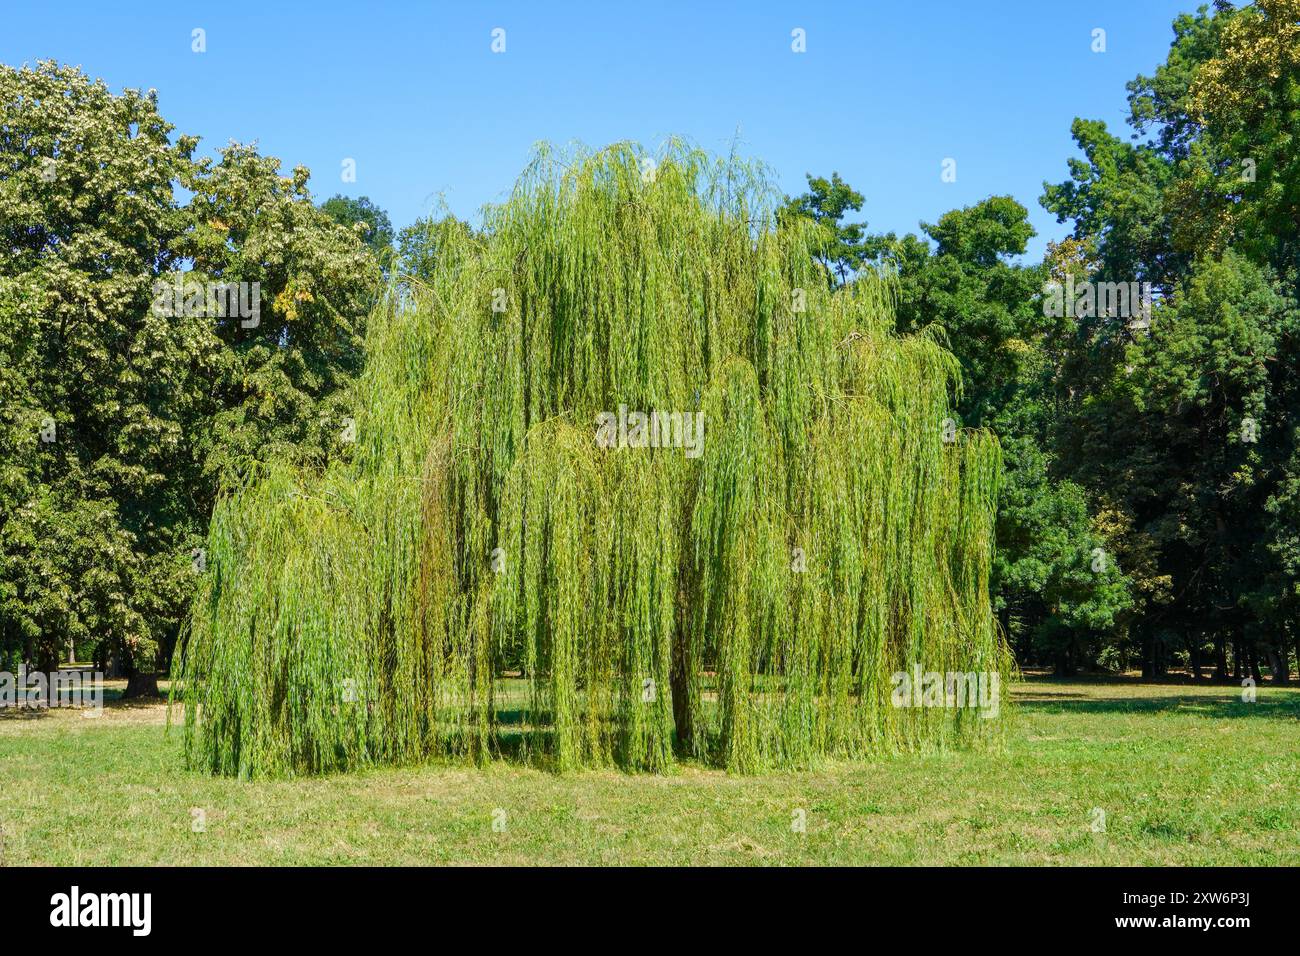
(119, 417)
(278, 387)
(1173, 439)
(1115, 196)
(827, 202)
(1188, 430)
(1057, 583)
(1241, 177)
(371, 222)
(87, 221)
(968, 287)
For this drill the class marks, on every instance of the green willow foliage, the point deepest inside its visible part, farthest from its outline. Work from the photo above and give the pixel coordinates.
(483, 578)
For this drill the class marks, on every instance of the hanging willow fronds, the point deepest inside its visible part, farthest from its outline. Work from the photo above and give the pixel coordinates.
(486, 576)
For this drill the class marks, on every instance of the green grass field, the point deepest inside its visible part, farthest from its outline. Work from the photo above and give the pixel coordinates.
(1185, 775)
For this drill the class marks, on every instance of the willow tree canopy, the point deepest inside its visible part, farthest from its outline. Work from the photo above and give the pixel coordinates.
(491, 574)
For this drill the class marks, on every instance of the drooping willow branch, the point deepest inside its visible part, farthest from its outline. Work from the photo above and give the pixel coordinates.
(486, 577)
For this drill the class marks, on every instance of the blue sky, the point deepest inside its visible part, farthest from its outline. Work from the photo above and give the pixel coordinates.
(414, 94)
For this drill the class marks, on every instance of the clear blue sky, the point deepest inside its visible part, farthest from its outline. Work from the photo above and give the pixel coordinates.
(414, 93)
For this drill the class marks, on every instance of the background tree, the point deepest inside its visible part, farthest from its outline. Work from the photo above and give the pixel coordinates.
(1187, 431)
(1057, 602)
(827, 202)
(119, 423)
(278, 389)
(87, 221)
(373, 224)
(421, 244)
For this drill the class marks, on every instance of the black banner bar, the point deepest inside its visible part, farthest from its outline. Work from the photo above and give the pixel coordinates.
(337, 905)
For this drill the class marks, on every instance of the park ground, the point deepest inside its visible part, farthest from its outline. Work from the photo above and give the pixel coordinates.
(1094, 772)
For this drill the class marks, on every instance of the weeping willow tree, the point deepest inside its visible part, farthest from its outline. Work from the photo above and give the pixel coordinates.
(487, 576)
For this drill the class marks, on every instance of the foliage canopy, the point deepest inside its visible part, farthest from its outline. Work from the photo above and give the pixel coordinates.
(746, 607)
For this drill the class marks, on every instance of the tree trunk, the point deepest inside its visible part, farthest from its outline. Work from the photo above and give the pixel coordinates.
(681, 689)
(1004, 621)
(142, 684)
(1065, 663)
(1220, 657)
(1279, 665)
(47, 662)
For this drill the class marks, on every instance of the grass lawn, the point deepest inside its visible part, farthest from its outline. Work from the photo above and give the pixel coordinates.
(1185, 774)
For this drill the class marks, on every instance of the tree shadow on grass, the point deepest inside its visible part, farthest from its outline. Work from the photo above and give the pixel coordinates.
(113, 700)
(1282, 706)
